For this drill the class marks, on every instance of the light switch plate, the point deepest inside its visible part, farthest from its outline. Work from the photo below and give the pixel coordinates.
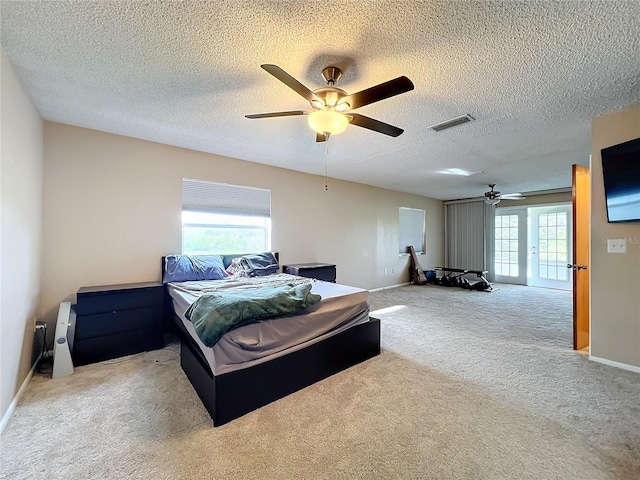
(617, 245)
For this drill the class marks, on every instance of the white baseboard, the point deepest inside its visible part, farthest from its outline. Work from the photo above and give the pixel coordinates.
(611, 363)
(390, 286)
(23, 387)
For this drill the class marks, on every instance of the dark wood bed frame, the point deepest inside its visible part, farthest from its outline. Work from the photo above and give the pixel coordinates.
(231, 395)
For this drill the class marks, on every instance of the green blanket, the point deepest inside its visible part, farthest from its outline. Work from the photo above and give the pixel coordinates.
(214, 314)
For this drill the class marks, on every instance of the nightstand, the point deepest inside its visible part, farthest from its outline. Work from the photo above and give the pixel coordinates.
(117, 320)
(321, 271)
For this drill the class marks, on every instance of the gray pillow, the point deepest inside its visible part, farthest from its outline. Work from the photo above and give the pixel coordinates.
(260, 264)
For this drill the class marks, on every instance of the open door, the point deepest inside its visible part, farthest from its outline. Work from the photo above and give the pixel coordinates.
(580, 266)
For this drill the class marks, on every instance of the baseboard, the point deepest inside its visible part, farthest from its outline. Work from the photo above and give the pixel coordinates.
(611, 363)
(390, 286)
(23, 387)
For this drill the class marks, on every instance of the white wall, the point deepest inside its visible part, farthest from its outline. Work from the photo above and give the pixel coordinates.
(113, 204)
(21, 160)
(615, 278)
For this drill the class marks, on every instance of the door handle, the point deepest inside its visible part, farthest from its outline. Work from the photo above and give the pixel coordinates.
(574, 266)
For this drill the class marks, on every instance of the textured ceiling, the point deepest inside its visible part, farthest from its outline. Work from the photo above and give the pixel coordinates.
(533, 74)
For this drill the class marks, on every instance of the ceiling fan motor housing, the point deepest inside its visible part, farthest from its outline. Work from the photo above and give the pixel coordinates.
(331, 75)
(492, 195)
(331, 96)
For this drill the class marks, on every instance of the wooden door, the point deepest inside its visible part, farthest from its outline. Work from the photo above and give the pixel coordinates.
(581, 242)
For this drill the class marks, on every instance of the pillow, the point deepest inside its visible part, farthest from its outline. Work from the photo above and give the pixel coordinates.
(261, 263)
(254, 265)
(183, 268)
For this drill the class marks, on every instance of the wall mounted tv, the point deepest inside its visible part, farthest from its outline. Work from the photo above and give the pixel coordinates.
(621, 174)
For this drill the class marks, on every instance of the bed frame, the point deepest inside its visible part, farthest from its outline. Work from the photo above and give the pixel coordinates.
(231, 395)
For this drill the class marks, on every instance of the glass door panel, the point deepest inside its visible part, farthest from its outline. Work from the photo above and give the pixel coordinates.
(510, 246)
(551, 247)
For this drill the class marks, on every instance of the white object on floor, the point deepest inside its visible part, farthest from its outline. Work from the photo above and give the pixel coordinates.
(63, 341)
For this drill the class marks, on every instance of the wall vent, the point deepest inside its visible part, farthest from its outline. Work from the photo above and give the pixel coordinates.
(452, 123)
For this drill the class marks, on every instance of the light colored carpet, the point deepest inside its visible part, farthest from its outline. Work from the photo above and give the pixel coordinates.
(469, 385)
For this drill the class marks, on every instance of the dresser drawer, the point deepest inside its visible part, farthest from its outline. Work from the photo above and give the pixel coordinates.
(91, 300)
(97, 349)
(90, 326)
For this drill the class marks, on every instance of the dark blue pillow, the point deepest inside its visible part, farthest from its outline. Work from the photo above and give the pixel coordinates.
(184, 268)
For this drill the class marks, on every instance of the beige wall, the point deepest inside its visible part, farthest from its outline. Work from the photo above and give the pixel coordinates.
(113, 203)
(543, 199)
(21, 231)
(615, 278)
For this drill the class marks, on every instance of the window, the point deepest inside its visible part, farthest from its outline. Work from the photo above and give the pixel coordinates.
(221, 218)
(506, 252)
(411, 229)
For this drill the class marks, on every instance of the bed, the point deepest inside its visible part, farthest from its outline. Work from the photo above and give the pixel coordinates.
(257, 363)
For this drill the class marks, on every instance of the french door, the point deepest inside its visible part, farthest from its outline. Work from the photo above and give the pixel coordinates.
(510, 256)
(550, 242)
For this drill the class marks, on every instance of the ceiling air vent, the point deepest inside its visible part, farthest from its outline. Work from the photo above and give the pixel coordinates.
(452, 123)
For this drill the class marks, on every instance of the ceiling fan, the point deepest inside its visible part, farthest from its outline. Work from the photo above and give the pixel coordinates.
(493, 197)
(329, 104)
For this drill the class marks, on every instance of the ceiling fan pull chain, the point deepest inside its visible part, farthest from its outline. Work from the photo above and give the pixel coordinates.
(326, 168)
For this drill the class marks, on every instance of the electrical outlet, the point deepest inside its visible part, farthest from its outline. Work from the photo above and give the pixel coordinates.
(393, 270)
(617, 245)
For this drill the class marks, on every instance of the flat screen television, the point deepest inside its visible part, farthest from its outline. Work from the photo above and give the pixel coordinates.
(621, 174)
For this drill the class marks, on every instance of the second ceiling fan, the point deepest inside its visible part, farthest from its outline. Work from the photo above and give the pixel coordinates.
(331, 107)
(493, 197)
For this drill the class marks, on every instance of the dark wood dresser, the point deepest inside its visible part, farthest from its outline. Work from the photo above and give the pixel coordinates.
(117, 320)
(321, 271)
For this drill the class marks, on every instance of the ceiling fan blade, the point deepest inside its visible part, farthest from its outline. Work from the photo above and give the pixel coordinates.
(375, 125)
(290, 82)
(379, 92)
(321, 137)
(513, 196)
(277, 114)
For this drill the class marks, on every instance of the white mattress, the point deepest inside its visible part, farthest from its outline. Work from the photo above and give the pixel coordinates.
(341, 307)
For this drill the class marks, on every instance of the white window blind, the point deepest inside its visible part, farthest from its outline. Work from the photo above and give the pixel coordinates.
(469, 236)
(198, 195)
(411, 229)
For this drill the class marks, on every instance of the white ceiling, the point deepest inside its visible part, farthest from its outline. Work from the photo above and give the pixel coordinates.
(532, 73)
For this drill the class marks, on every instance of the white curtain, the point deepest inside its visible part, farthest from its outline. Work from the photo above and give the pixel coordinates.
(469, 242)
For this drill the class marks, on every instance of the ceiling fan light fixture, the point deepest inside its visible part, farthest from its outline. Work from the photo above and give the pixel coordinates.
(328, 122)
(343, 107)
(491, 201)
